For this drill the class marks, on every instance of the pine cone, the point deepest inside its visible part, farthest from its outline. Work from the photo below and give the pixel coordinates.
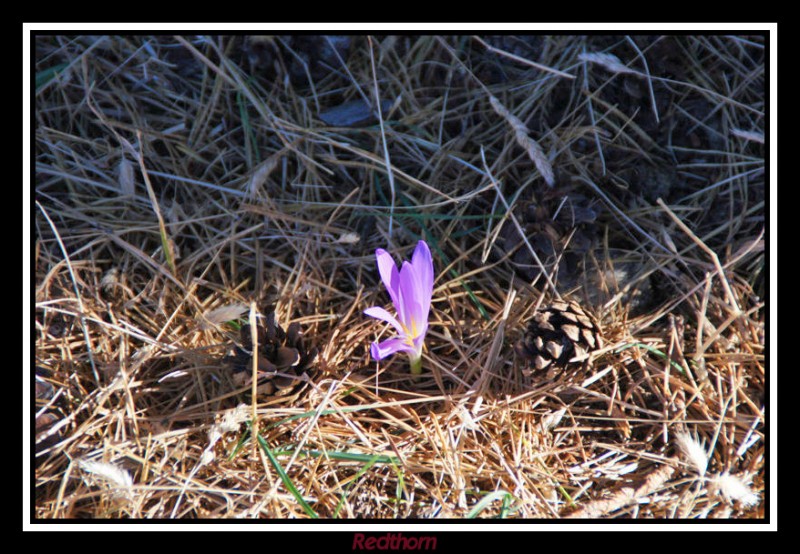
(282, 357)
(557, 334)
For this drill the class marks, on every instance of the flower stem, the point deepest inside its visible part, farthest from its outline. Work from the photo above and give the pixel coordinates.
(416, 365)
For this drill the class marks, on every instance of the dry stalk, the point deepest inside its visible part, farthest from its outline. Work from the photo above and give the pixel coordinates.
(521, 133)
(626, 496)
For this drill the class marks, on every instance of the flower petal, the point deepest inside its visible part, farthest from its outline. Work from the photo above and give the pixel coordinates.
(419, 342)
(381, 350)
(423, 265)
(379, 313)
(422, 262)
(411, 296)
(389, 274)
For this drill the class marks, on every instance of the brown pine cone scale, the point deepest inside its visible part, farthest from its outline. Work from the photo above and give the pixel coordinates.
(558, 333)
(283, 358)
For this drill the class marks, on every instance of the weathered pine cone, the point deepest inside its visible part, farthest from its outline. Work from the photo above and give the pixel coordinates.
(557, 334)
(283, 358)
(560, 227)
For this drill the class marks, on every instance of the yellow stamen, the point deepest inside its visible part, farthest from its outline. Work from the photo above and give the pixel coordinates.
(412, 334)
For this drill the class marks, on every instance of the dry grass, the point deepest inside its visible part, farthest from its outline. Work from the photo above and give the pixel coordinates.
(172, 179)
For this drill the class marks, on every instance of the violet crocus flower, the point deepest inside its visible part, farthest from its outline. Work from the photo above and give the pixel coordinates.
(411, 289)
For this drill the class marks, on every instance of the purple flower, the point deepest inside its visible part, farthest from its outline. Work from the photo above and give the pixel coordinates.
(411, 289)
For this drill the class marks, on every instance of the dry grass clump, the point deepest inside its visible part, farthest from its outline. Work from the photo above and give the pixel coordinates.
(182, 183)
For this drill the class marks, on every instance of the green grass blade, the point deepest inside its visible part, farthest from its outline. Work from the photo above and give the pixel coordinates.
(341, 456)
(401, 482)
(652, 350)
(251, 146)
(285, 478)
(46, 75)
(358, 475)
(322, 413)
(488, 499)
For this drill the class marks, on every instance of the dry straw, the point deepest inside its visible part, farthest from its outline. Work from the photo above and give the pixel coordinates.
(269, 207)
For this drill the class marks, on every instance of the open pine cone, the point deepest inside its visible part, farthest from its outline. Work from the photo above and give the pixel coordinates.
(560, 225)
(557, 334)
(283, 358)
